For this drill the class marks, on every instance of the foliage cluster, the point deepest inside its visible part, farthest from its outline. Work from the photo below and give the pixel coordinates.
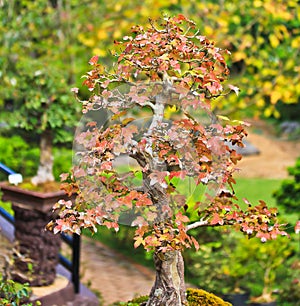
(182, 62)
(38, 61)
(13, 294)
(164, 66)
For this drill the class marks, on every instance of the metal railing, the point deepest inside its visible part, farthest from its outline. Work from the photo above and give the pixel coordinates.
(72, 241)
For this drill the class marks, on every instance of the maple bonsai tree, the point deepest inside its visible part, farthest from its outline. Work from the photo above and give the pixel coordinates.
(180, 167)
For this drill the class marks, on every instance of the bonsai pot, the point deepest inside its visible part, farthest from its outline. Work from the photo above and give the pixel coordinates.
(37, 249)
(237, 299)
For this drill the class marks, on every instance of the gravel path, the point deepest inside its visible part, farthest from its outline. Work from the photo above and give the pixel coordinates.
(275, 155)
(115, 276)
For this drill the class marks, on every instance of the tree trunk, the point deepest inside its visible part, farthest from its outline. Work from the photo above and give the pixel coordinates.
(45, 169)
(169, 286)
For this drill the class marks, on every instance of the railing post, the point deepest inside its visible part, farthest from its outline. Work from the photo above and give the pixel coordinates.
(76, 262)
(6, 169)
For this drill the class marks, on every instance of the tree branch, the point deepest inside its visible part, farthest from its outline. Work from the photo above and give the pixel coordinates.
(196, 224)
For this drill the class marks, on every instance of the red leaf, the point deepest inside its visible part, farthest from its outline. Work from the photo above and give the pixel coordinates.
(216, 219)
(143, 200)
(64, 176)
(181, 218)
(138, 242)
(179, 18)
(93, 61)
(263, 236)
(195, 242)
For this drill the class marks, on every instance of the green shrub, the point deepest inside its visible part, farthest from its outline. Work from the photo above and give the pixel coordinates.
(23, 157)
(18, 155)
(14, 294)
(288, 196)
(291, 286)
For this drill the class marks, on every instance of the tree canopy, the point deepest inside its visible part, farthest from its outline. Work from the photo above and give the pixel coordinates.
(166, 65)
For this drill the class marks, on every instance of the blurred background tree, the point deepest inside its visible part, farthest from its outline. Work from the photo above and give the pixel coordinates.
(38, 65)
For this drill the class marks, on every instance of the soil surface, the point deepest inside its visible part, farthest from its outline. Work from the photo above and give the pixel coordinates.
(118, 278)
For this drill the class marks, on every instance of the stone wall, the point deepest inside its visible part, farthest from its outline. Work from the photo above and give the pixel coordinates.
(37, 249)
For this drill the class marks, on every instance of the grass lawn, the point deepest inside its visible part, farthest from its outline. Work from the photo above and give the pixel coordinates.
(255, 189)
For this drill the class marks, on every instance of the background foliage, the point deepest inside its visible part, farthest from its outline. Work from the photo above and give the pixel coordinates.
(23, 156)
(263, 37)
(39, 54)
(45, 46)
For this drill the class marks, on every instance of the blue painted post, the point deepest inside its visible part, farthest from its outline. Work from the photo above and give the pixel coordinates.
(6, 169)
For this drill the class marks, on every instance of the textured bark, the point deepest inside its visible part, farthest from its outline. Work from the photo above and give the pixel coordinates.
(169, 286)
(45, 169)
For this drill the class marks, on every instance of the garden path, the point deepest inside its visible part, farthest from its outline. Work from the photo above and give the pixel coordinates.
(116, 277)
(276, 154)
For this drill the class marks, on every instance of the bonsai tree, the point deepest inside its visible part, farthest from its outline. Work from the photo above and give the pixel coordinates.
(36, 73)
(179, 170)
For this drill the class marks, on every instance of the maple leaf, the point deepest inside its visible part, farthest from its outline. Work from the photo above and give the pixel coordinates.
(113, 225)
(138, 241)
(180, 218)
(141, 223)
(180, 200)
(152, 241)
(64, 176)
(235, 157)
(159, 177)
(216, 219)
(179, 174)
(263, 236)
(195, 242)
(143, 200)
(94, 60)
(179, 18)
